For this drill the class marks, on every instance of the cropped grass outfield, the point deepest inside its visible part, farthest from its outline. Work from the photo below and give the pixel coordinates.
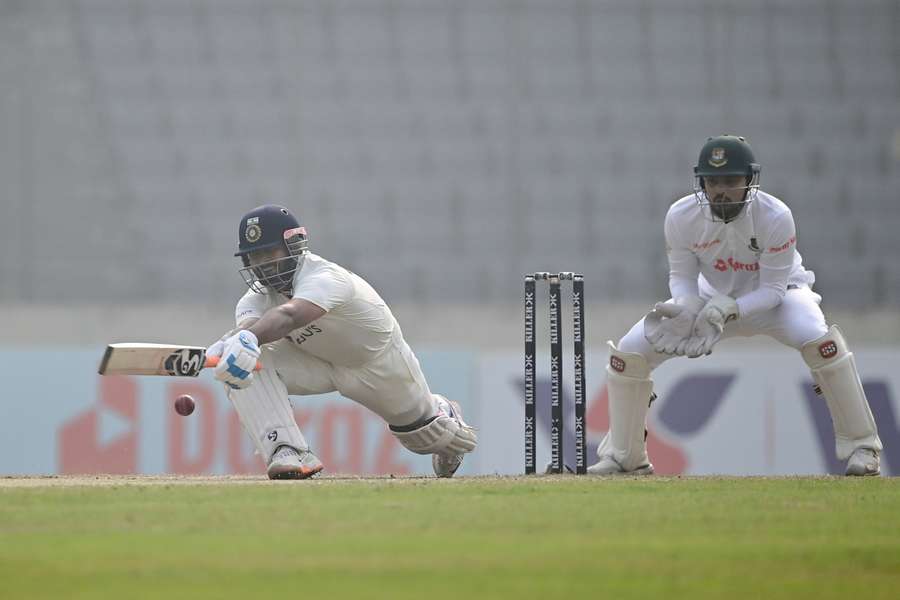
(539, 537)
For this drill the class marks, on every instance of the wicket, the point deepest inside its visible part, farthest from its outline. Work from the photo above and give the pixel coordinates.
(557, 429)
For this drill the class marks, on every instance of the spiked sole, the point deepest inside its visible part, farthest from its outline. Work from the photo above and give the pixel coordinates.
(435, 459)
(863, 474)
(643, 470)
(304, 473)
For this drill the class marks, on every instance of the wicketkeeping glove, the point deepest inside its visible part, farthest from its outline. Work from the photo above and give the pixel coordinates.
(710, 325)
(669, 326)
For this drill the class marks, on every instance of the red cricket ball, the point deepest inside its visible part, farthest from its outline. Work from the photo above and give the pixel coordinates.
(184, 405)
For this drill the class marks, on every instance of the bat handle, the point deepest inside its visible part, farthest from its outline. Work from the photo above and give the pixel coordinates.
(212, 361)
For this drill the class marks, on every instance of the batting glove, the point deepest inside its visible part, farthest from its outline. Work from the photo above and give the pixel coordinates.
(239, 354)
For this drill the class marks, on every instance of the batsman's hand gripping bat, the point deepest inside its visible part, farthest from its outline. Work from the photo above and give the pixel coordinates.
(156, 359)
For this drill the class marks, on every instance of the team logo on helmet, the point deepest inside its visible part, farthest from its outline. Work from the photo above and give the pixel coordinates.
(717, 158)
(253, 232)
(828, 349)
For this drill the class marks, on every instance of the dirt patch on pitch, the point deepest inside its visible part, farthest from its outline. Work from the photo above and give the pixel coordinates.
(35, 481)
(113, 480)
(154, 480)
(38, 481)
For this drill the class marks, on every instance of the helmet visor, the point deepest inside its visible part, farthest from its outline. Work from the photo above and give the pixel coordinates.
(725, 201)
(273, 265)
(275, 274)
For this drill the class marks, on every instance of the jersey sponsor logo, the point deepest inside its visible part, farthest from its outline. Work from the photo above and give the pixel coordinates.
(784, 246)
(617, 364)
(272, 435)
(187, 362)
(706, 244)
(300, 336)
(734, 265)
(828, 349)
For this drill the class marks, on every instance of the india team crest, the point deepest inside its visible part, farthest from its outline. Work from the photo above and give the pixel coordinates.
(718, 158)
(253, 233)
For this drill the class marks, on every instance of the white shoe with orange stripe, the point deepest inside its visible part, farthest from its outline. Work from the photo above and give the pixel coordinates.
(290, 463)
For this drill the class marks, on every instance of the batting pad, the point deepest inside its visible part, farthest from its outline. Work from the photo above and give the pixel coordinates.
(443, 434)
(266, 413)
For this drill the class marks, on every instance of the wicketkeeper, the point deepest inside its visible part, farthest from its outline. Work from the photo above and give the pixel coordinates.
(316, 328)
(734, 270)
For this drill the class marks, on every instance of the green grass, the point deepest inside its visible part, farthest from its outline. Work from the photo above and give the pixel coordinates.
(469, 538)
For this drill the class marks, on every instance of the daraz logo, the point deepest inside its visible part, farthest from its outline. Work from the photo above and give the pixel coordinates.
(103, 439)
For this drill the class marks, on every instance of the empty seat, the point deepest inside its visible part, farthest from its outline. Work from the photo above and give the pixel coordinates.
(472, 140)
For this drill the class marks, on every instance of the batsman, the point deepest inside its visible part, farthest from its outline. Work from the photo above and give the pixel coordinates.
(316, 327)
(734, 270)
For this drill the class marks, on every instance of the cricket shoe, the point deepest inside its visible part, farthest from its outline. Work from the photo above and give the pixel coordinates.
(864, 461)
(445, 465)
(289, 463)
(608, 466)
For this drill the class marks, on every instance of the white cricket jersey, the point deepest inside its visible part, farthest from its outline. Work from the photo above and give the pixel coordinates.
(356, 326)
(752, 258)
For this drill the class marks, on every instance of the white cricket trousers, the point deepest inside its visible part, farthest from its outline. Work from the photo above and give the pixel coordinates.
(391, 385)
(794, 322)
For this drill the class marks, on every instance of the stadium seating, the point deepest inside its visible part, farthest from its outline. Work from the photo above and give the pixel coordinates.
(426, 143)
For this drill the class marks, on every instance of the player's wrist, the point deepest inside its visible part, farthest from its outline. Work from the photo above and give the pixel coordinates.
(248, 339)
(693, 304)
(725, 306)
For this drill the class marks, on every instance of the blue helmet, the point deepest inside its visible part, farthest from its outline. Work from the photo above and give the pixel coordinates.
(269, 227)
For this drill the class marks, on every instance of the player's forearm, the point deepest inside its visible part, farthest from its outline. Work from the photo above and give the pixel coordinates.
(683, 287)
(281, 320)
(773, 282)
(759, 300)
(684, 269)
(275, 324)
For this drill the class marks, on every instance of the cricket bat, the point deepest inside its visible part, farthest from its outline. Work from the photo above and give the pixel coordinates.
(156, 359)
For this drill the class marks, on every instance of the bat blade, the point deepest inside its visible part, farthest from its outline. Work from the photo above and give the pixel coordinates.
(153, 359)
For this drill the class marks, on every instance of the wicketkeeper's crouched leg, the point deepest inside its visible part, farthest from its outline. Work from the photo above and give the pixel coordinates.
(833, 368)
(623, 449)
